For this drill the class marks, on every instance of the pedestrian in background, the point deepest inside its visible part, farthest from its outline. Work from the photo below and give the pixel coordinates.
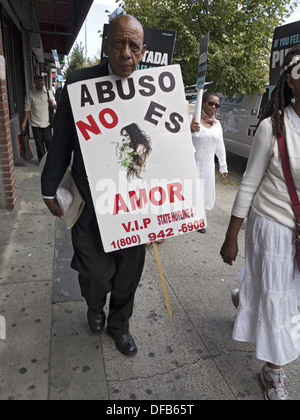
(209, 143)
(269, 293)
(58, 94)
(37, 112)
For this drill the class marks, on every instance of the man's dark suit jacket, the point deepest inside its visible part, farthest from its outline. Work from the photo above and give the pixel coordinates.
(65, 141)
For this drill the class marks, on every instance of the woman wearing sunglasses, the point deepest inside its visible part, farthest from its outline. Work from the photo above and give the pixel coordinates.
(208, 142)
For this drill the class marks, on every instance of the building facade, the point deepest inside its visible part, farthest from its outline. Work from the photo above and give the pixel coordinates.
(29, 31)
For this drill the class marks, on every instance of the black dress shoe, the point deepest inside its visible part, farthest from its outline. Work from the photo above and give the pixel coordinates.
(124, 343)
(202, 230)
(96, 321)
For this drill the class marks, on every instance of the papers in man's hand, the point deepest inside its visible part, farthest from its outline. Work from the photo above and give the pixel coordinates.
(68, 197)
(70, 200)
(64, 198)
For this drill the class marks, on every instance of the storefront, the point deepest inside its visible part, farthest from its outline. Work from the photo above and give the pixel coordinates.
(29, 31)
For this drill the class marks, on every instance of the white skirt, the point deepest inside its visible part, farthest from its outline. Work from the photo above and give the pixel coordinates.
(269, 295)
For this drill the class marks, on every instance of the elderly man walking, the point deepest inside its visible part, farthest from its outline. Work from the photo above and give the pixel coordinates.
(99, 272)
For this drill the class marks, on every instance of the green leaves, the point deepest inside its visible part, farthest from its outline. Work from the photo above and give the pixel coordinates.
(125, 155)
(76, 59)
(241, 33)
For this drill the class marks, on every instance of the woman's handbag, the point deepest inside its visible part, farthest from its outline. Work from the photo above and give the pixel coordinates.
(51, 112)
(292, 191)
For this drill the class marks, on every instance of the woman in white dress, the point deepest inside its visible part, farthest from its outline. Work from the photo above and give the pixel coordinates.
(208, 142)
(269, 293)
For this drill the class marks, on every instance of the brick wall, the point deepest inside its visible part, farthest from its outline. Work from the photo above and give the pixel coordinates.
(8, 191)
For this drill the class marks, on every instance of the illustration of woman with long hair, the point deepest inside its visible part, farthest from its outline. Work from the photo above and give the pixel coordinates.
(134, 150)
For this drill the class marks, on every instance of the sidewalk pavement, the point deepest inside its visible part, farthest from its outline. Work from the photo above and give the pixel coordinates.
(49, 353)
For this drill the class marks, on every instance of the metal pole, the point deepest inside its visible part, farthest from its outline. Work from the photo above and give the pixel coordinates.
(86, 52)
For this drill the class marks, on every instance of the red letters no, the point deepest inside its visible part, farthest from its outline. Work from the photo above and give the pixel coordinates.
(104, 122)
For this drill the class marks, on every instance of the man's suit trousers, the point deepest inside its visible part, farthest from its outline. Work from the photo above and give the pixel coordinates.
(42, 137)
(117, 272)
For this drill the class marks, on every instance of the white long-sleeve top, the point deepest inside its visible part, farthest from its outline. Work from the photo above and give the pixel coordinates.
(208, 143)
(263, 185)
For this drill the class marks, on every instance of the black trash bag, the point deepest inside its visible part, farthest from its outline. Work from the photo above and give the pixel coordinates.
(25, 151)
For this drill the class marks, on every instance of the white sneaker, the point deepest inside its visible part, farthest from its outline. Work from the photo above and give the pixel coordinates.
(235, 297)
(274, 381)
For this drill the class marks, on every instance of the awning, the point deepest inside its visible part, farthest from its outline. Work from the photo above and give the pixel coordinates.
(60, 22)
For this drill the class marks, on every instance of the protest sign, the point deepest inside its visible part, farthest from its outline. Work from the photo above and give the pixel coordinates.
(202, 66)
(136, 144)
(57, 62)
(285, 38)
(160, 47)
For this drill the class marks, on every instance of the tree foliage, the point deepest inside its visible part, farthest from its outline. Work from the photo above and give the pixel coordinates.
(76, 59)
(241, 33)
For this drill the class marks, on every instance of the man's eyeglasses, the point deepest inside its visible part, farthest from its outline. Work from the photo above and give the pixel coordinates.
(211, 103)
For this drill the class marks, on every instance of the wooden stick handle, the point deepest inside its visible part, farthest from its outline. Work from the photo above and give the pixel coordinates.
(162, 278)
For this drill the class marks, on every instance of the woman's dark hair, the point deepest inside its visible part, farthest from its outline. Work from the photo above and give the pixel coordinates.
(208, 95)
(137, 137)
(281, 96)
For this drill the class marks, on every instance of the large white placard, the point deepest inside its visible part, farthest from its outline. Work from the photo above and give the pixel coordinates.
(136, 143)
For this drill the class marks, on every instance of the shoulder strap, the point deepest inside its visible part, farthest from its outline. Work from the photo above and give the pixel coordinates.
(288, 175)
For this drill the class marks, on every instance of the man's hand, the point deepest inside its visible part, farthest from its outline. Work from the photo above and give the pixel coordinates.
(54, 208)
(52, 103)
